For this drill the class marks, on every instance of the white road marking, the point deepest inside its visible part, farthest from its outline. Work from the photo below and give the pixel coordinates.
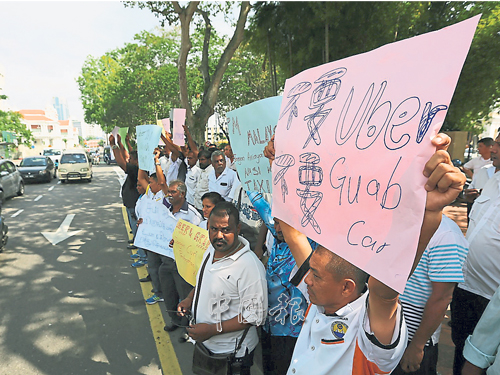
(62, 232)
(17, 213)
(37, 198)
(52, 187)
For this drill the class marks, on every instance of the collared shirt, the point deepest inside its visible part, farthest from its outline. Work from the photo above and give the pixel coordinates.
(343, 343)
(187, 212)
(442, 261)
(223, 184)
(202, 186)
(231, 286)
(482, 348)
(481, 177)
(192, 176)
(476, 163)
(173, 171)
(482, 266)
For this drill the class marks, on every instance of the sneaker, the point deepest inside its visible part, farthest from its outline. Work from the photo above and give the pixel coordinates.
(131, 247)
(153, 299)
(139, 263)
(134, 256)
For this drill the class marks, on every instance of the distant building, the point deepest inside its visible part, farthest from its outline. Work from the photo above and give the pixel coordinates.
(48, 131)
(213, 132)
(61, 106)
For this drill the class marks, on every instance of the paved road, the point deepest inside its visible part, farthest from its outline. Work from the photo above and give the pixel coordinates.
(76, 307)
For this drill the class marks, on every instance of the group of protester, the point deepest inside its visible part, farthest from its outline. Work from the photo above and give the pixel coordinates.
(318, 313)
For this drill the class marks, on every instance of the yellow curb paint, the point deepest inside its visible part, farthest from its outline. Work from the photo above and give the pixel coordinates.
(166, 353)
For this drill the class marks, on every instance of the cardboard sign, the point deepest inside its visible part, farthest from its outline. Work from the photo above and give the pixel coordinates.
(157, 228)
(178, 130)
(148, 137)
(250, 128)
(351, 143)
(190, 243)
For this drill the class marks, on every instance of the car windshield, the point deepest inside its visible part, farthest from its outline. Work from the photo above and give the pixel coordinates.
(73, 158)
(33, 162)
(51, 152)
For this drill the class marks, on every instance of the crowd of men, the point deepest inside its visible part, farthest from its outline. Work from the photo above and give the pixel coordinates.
(314, 312)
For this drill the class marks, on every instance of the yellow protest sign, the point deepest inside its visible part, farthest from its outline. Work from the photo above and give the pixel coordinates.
(190, 243)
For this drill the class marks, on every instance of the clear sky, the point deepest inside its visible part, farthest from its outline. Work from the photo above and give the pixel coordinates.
(43, 45)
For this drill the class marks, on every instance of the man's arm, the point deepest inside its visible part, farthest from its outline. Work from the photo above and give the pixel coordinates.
(117, 153)
(129, 145)
(191, 143)
(123, 150)
(434, 311)
(204, 331)
(142, 178)
(159, 173)
(174, 149)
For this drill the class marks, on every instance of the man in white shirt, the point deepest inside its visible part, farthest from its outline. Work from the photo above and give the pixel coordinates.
(484, 149)
(202, 186)
(192, 176)
(222, 180)
(232, 294)
(348, 330)
(482, 265)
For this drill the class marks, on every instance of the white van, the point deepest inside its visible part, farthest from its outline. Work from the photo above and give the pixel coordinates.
(54, 154)
(75, 165)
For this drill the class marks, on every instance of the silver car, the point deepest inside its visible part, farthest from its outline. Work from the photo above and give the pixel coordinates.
(11, 182)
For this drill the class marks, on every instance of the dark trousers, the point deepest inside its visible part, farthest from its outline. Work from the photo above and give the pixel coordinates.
(174, 289)
(277, 353)
(428, 365)
(242, 365)
(466, 310)
(154, 263)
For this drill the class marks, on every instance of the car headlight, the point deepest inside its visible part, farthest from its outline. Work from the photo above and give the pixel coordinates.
(84, 170)
(62, 170)
(42, 172)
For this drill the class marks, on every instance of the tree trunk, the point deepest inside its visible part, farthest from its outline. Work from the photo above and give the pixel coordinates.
(185, 17)
(198, 121)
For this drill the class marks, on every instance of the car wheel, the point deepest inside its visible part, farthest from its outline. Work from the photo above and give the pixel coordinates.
(63, 181)
(21, 189)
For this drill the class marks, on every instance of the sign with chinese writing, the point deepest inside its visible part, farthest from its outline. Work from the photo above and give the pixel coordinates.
(250, 128)
(351, 143)
(148, 137)
(190, 243)
(157, 228)
(178, 130)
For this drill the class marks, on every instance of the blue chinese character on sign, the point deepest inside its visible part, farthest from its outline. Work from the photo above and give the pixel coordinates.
(326, 91)
(310, 175)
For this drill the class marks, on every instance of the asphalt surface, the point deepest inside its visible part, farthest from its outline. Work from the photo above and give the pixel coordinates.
(76, 307)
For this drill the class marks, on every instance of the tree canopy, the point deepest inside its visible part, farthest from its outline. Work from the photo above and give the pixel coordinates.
(299, 35)
(11, 121)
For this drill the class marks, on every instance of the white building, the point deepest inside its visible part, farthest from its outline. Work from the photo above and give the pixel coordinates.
(48, 131)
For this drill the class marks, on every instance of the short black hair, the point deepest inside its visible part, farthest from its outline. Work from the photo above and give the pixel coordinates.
(154, 176)
(487, 141)
(223, 209)
(204, 154)
(342, 269)
(213, 196)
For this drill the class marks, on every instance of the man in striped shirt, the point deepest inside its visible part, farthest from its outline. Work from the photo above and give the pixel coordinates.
(427, 295)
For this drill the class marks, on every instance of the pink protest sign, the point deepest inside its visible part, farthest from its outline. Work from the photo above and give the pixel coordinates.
(166, 124)
(178, 130)
(352, 140)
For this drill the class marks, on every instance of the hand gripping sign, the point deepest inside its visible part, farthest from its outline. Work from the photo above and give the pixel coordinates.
(352, 140)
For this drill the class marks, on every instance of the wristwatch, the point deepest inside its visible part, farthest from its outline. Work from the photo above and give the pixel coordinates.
(114, 147)
(157, 164)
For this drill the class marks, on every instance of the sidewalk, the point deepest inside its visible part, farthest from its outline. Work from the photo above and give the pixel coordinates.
(458, 213)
